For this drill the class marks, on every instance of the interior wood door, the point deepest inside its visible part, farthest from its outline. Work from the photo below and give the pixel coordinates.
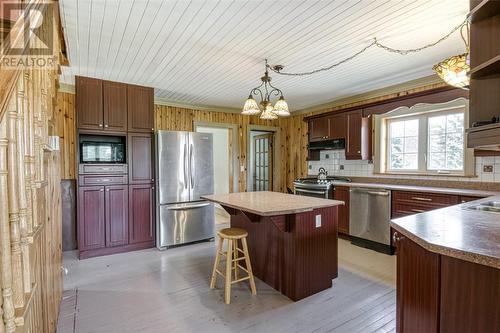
(342, 193)
(116, 200)
(140, 108)
(319, 129)
(353, 143)
(115, 106)
(89, 103)
(141, 213)
(140, 155)
(91, 233)
(263, 162)
(417, 290)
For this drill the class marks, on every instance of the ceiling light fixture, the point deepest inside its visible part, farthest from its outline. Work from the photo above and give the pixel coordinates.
(266, 90)
(455, 70)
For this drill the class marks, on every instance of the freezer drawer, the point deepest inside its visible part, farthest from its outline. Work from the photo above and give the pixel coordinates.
(185, 223)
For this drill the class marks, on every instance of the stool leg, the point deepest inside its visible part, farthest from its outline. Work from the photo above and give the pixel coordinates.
(249, 267)
(229, 260)
(235, 249)
(216, 263)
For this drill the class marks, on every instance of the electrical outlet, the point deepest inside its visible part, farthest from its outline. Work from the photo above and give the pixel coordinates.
(487, 168)
(310, 167)
(318, 221)
(327, 156)
(341, 167)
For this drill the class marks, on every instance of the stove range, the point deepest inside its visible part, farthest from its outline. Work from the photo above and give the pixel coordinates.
(314, 187)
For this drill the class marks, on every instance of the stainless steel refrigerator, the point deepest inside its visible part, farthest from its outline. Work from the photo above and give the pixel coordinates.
(184, 173)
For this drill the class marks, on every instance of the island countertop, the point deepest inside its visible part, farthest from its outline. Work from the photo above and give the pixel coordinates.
(456, 232)
(266, 203)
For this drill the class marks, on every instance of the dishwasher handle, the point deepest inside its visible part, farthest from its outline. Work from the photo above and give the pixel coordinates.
(370, 192)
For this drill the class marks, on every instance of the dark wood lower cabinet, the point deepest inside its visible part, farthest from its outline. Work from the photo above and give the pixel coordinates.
(342, 193)
(141, 213)
(116, 202)
(417, 292)
(91, 218)
(114, 219)
(437, 293)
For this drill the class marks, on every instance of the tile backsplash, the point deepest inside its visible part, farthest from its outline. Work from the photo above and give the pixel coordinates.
(336, 165)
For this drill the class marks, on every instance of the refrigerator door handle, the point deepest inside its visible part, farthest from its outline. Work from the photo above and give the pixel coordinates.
(191, 162)
(188, 206)
(185, 164)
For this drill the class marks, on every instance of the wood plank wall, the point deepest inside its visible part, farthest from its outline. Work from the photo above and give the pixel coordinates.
(293, 132)
(30, 199)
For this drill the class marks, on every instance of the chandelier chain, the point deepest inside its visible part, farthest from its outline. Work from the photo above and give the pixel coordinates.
(375, 42)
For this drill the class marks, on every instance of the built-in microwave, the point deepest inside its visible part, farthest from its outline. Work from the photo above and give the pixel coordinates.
(102, 152)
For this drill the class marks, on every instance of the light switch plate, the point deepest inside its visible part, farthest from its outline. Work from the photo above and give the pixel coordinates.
(318, 221)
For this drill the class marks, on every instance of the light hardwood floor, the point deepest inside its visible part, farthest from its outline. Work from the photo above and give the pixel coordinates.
(153, 291)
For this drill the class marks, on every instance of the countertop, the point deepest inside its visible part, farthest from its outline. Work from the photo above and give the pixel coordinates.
(267, 203)
(443, 190)
(456, 232)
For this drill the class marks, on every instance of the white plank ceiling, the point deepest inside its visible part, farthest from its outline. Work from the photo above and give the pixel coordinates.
(212, 52)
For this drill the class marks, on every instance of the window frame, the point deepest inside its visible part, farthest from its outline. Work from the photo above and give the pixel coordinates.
(423, 142)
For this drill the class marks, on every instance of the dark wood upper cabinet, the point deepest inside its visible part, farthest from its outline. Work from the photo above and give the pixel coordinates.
(342, 193)
(141, 213)
(353, 142)
(115, 106)
(338, 126)
(91, 232)
(140, 108)
(140, 161)
(116, 200)
(417, 288)
(319, 129)
(89, 103)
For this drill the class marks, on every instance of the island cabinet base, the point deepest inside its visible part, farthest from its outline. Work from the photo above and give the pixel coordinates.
(295, 254)
(438, 293)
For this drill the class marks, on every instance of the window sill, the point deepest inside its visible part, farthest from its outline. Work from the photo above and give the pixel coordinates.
(424, 174)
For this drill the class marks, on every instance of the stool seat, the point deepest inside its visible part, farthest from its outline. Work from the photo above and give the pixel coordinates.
(232, 233)
(234, 261)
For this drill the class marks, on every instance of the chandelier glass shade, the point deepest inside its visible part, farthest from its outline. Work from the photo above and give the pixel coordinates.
(266, 90)
(454, 70)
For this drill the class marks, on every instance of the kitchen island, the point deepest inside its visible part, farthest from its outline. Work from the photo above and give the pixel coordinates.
(448, 269)
(292, 239)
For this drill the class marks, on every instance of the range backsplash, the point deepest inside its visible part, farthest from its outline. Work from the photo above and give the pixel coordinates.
(336, 165)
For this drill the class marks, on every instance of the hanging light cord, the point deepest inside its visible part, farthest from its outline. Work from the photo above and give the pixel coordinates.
(375, 42)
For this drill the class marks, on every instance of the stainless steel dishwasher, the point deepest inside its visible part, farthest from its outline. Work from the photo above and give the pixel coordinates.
(369, 217)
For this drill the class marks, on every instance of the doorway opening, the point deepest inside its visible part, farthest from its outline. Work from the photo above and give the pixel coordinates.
(224, 157)
(261, 162)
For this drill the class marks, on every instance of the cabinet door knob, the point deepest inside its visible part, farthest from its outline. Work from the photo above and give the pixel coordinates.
(106, 126)
(101, 190)
(152, 179)
(152, 129)
(107, 190)
(152, 187)
(100, 125)
(359, 152)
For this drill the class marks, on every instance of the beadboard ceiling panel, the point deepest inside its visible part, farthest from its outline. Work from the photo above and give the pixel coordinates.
(211, 52)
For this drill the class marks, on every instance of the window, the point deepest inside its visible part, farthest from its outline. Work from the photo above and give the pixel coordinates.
(431, 142)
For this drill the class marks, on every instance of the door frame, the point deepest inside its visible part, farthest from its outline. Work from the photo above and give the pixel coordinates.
(234, 149)
(276, 154)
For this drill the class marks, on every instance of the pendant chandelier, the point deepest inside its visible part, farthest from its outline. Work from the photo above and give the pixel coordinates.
(455, 70)
(265, 90)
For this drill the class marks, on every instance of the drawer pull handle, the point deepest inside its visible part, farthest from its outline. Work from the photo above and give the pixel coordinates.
(418, 210)
(421, 199)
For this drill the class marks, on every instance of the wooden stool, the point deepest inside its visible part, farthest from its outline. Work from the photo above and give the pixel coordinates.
(232, 260)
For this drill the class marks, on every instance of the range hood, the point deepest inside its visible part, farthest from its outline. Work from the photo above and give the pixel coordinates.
(327, 144)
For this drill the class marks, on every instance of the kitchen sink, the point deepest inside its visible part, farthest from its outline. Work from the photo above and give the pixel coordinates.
(488, 206)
